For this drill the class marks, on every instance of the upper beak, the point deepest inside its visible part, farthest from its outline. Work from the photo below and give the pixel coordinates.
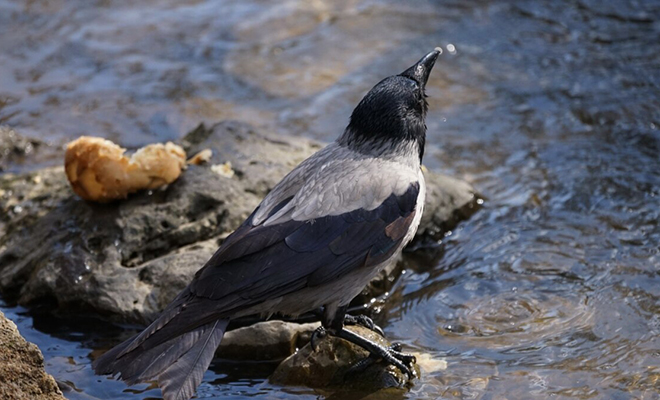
(422, 69)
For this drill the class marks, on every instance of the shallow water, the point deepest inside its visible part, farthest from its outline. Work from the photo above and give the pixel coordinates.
(550, 108)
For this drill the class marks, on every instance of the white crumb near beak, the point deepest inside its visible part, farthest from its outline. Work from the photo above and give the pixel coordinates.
(223, 169)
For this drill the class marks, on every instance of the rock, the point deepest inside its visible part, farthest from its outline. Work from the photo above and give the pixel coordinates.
(258, 160)
(13, 146)
(326, 367)
(126, 260)
(448, 201)
(22, 374)
(270, 340)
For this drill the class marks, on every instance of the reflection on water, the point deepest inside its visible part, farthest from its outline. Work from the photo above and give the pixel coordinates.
(551, 109)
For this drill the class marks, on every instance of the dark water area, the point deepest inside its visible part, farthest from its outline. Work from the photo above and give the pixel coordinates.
(551, 109)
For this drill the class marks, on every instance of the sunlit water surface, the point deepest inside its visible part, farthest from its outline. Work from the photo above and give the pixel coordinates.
(550, 108)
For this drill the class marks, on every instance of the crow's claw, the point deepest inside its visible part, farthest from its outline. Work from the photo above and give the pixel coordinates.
(396, 348)
(364, 321)
(319, 333)
(405, 358)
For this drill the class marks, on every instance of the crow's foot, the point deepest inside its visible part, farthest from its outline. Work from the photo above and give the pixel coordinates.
(391, 355)
(395, 351)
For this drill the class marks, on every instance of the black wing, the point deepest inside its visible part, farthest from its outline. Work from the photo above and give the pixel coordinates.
(261, 262)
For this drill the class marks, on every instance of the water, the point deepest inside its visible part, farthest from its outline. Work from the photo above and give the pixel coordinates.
(550, 108)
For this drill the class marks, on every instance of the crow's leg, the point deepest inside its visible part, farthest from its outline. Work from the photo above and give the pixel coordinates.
(332, 318)
(333, 324)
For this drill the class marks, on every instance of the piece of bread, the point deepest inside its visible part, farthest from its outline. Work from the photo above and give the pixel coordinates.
(99, 171)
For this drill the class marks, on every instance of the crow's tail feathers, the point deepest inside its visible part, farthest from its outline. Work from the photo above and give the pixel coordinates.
(178, 364)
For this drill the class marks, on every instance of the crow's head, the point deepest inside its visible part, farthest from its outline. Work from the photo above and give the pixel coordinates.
(393, 112)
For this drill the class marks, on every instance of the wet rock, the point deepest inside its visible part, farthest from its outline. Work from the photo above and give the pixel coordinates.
(22, 374)
(327, 367)
(270, 340)
(126, 260)
(448, 201)
(14, 146)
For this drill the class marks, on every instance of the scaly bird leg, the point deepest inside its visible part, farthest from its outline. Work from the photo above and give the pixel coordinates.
(391, 355)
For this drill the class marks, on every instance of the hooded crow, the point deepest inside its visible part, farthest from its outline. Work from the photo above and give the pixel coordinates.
(316, 240)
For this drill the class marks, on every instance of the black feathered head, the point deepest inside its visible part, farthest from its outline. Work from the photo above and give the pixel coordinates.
(394, 111)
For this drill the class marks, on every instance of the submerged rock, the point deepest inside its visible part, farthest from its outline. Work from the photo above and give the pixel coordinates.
(264, 341)
(22, 374)
(126, 260)
(327, 367)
